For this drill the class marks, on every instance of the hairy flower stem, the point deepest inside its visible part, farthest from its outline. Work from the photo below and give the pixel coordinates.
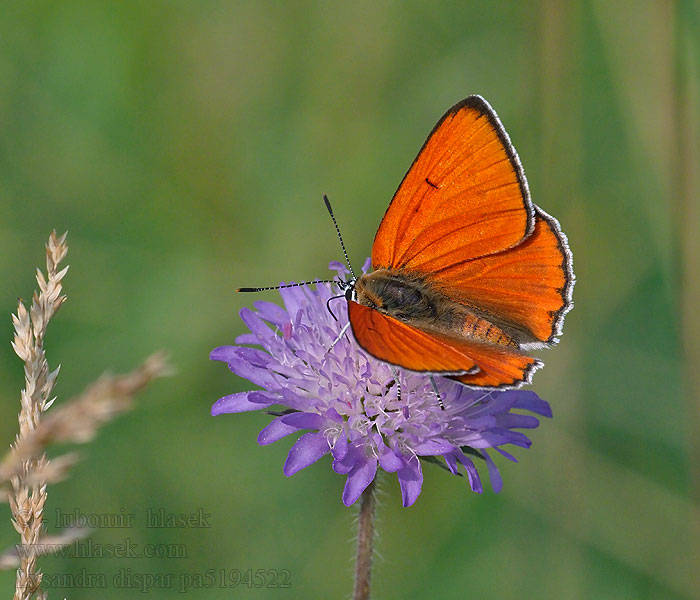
(365, 539)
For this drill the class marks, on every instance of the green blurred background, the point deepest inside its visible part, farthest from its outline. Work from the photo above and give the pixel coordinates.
(186, 146)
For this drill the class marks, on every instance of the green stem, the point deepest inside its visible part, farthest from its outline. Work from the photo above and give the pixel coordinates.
(365, 538)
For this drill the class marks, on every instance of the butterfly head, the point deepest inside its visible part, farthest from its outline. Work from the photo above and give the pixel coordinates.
(347, 287)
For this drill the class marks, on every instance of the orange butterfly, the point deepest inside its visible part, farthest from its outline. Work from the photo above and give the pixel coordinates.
(469, 275)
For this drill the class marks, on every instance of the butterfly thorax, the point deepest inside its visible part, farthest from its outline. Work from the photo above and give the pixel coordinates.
(410, 298)
(403, 297)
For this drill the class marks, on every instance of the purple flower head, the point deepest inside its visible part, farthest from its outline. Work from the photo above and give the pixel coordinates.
(347, 403)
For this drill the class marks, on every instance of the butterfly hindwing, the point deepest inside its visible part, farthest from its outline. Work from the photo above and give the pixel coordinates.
(528, 286)
(499, 367)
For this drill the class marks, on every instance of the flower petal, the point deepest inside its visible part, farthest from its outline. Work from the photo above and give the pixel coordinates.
(293, 400)
(452, 463)
(528, 400)
(338, 267)
(260, 397)
(294, 301)
(517, 421)
(272, 313)
(275, 430)
(253, 356)
(306, 451)
(494, 474)
(358, 479)
(388, 459)
(472, 473)
(257, 326)
(234, 403)
(304, 420)
(433, 447)
(343, 465)
(223, 353)
(411, 481)
(259, 376)
(508, 455)
(340, 448)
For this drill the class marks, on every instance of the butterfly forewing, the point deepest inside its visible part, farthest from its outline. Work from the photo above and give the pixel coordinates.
(465, 195)
(395, 342)
(398, 343)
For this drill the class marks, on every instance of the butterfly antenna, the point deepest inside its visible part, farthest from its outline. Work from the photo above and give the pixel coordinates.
(286, 285)
(340, 237)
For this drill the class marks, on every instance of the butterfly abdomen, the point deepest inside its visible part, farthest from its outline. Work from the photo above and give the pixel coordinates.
(484, 330)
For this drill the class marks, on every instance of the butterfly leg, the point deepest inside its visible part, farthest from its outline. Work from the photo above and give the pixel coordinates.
(340, 336)
(437, 392)
(398, 391)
